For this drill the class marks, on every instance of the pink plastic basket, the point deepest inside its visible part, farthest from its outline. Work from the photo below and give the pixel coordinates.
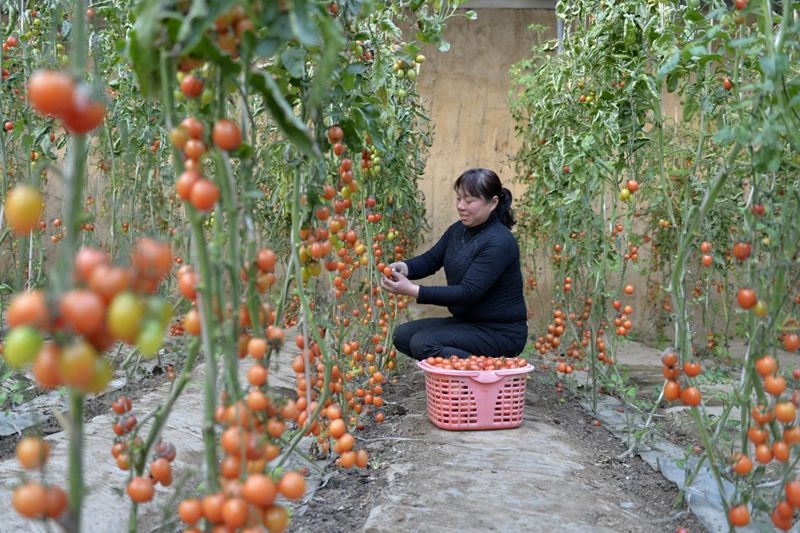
(488, 399)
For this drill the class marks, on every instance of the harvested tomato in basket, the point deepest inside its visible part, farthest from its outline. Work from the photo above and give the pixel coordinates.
(476, 362)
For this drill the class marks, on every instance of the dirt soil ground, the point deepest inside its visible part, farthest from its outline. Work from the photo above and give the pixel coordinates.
(560, 467)
(344, 503)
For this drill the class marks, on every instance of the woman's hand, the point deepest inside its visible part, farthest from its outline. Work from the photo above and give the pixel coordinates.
(399, 284)
(399, 267)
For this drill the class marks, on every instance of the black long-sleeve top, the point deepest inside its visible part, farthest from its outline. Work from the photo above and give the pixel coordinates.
(482, 267)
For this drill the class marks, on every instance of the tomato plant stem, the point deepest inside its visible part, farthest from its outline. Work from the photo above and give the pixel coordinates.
(204, 302)
(76, 487)
(231, 227)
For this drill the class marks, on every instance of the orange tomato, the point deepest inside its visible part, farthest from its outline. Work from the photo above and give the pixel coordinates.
(30, 500)
(292, 485)
(32, 452)
(226, 135)
(140, 489)
(50, 92)
(739, 516)
(691, 396)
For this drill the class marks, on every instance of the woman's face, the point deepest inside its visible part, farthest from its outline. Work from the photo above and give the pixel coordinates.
(473, 210)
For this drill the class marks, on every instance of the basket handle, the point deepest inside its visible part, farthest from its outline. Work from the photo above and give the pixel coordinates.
(487, 377)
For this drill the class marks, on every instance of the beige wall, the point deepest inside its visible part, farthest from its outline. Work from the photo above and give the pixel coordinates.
(466, 90)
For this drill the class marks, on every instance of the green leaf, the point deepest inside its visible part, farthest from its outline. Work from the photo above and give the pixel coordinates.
(267, 47)
(572, 197)
(141, 52)
(333, 43)
(199, 19)
(289, 124)
(689, 107)
(294, 61)
(743, 42)
(670, 65)
(302, 25)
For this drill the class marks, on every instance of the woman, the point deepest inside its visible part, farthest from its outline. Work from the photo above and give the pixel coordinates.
(484, 281)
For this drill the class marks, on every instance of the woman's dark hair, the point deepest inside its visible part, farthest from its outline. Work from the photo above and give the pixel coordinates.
(484, 183)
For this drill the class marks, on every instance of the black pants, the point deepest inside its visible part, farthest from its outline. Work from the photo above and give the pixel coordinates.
(431, 337)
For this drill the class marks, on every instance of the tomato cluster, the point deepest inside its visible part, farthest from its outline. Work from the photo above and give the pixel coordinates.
(250, 440)
(55, 93)
(115, 303)
(333, 420)
(191, 186)
(691, 395)
(33, 499)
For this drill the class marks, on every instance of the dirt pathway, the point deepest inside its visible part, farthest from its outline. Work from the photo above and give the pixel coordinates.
(557, 471)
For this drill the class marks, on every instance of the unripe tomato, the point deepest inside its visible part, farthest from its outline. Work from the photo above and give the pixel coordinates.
(124, 316)
(150, 337)
(23, 209)
(21, 346)
(101, 377)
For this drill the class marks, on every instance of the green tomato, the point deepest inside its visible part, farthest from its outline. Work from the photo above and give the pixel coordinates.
(60, 47)
(419, 59)
(401, 93)
(150, 338)
(391, 236)
(101, 377)
(125, 316)
(160, 309)
(21, 346)
(760, 310)
(207, 96)
(401, 73)
(65, 59)
(624, 195)
(411, 74)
